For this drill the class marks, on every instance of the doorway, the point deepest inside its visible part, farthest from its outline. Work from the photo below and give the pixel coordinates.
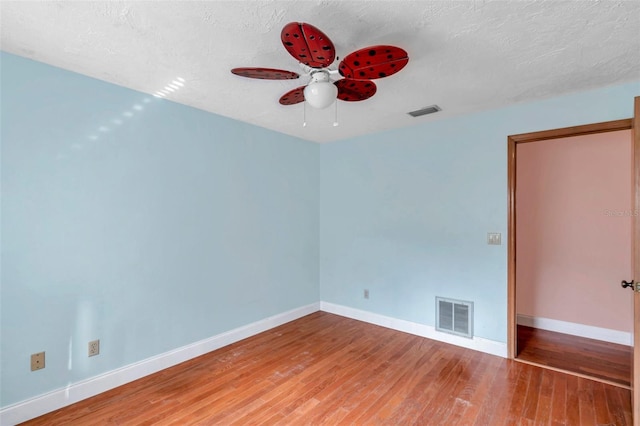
(552, 279)
(545, 137)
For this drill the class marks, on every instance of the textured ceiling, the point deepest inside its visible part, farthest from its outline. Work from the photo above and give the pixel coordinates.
(465, 56)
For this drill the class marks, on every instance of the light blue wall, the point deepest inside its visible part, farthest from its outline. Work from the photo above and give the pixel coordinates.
(177, 225)
(405, 213)
(171, 227)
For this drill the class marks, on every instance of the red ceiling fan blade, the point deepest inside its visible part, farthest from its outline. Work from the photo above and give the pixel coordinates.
(373, 62)
(308, 44)
(355, 90)
(293, 97)
(265, 73)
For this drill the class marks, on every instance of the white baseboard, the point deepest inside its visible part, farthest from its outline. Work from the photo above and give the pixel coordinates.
(581, 330)
(477, 343)
(34, 407)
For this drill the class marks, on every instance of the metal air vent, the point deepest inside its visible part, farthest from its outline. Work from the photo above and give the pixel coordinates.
(424, 111)
(454, 316)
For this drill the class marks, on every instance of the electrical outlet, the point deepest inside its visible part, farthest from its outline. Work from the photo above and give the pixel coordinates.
(94, 347)
(37, 361)
(366, 294)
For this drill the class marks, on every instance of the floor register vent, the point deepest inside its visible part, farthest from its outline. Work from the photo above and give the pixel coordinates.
(454, 316)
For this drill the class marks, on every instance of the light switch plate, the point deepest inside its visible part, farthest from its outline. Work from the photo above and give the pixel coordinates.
(494, 238)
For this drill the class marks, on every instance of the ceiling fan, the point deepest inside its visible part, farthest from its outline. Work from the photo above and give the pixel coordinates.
(315, 52)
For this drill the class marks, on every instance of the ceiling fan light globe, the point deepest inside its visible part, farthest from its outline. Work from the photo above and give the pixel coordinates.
(320, 95)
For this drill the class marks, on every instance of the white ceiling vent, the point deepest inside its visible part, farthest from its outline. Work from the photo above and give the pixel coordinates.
(424, 111)
(454, 316)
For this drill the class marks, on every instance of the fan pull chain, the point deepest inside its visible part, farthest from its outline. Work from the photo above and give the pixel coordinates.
(304, 114)
(335, 121)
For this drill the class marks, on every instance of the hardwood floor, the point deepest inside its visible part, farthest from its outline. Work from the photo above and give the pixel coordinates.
(326, 369)
(603, 360)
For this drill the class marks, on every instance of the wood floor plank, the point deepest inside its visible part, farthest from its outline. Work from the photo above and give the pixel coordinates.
(587, 408)
(516, 409)
(559, 400)
(625, 398)
(603, 416)
(573, 401)
(545, 398)
(532, 398)
(496, 398)
(324, 369)
(479, 392)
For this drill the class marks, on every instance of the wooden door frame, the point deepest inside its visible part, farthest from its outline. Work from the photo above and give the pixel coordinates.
(635, 374)
(512, 142)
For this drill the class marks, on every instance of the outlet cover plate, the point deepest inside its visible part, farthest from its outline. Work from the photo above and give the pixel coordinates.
(37, 361)
(94, 347)
(494, 238)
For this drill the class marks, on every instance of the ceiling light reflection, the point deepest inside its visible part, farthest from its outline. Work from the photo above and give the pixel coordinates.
(119, 121)
(174, 85)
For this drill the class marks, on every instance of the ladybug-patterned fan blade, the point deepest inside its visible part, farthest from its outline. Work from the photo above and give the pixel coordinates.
(308, 44)
(373, 62)
(265, 73)
(355, 90)
(293, 97)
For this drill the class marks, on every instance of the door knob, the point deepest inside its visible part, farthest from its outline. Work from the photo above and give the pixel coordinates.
(626, 284)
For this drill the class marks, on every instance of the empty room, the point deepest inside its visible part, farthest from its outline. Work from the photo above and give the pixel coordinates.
(320, 212)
